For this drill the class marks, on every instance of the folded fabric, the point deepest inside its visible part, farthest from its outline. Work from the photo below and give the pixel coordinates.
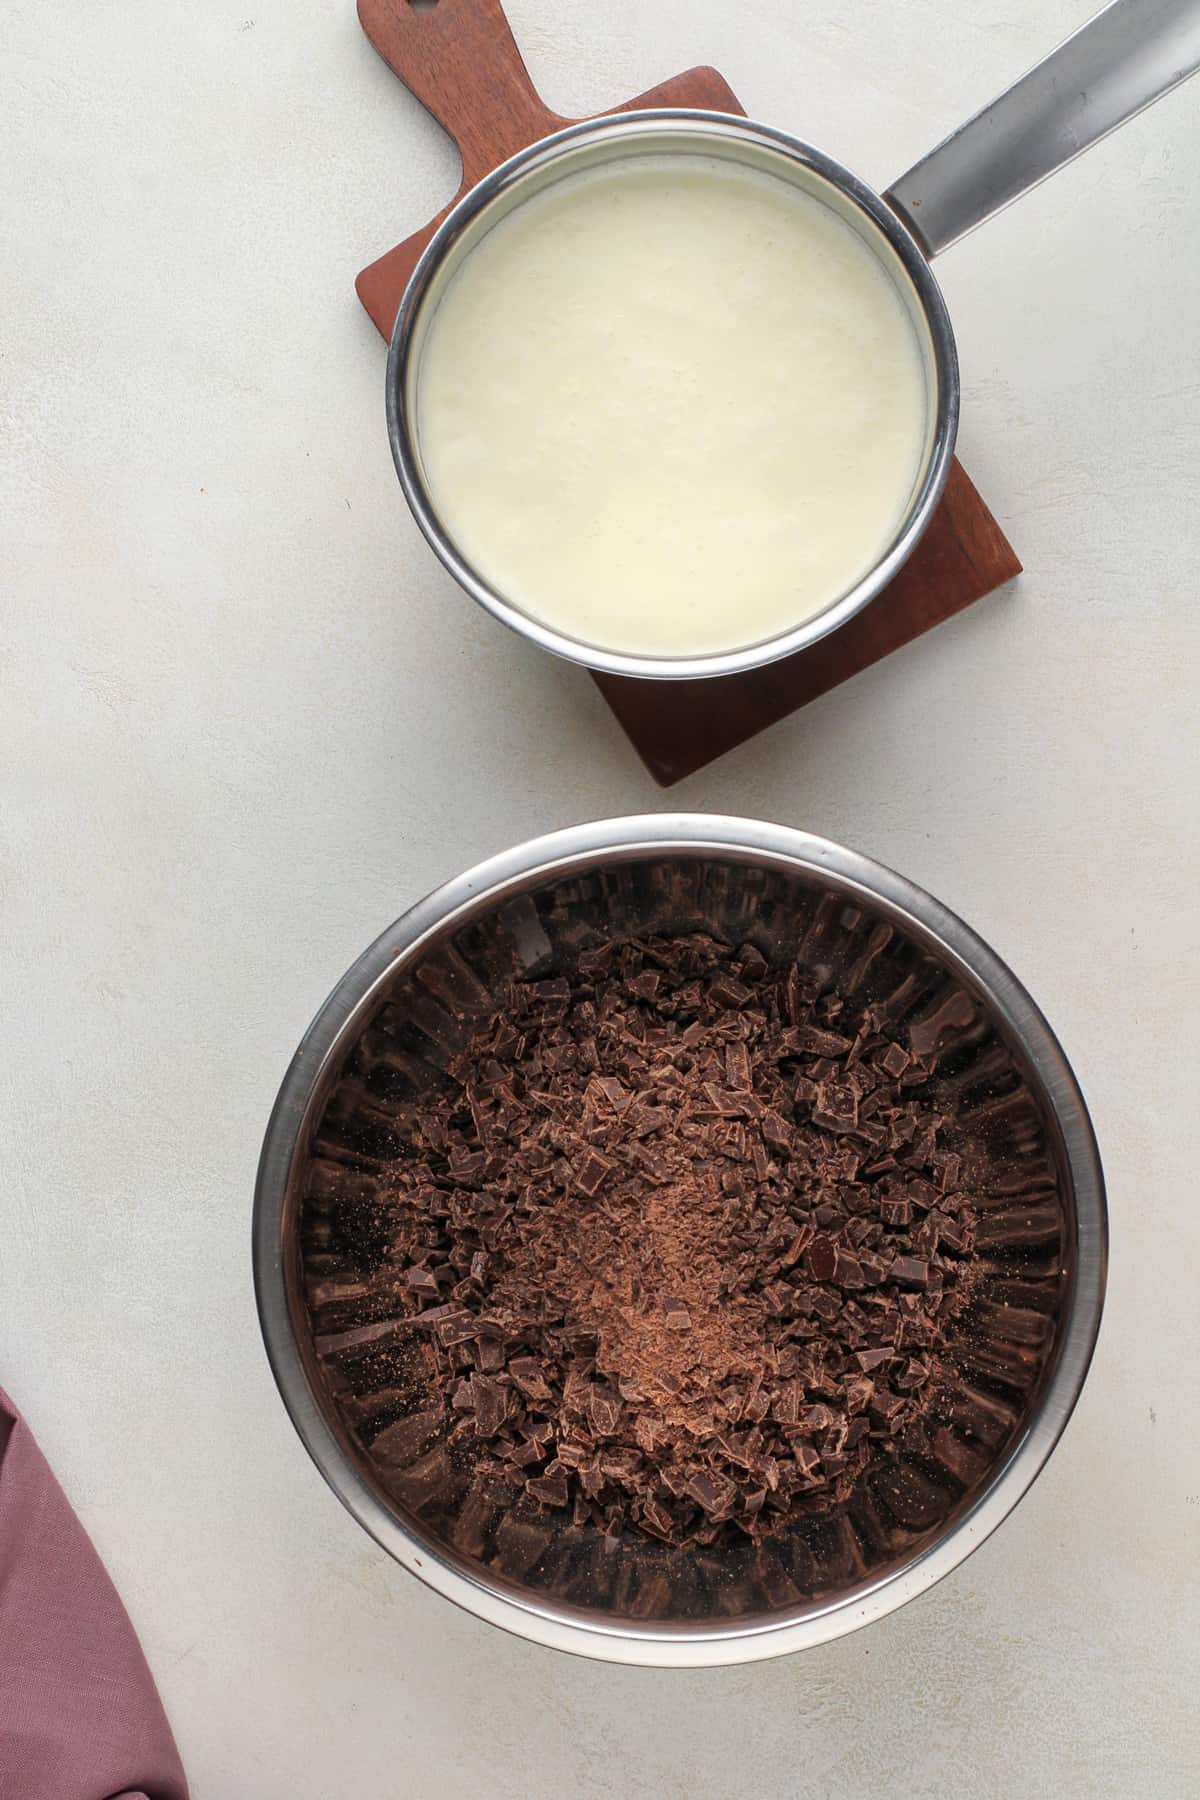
(80, 1718)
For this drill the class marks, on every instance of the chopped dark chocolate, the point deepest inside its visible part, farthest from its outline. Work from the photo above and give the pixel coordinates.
(527, 1373)
(589, 1178)
(671, 1255)
(490, 1405)
(822, 1258)
(551, 1488)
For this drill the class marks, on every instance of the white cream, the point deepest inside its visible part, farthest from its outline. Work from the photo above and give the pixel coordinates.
(672, 406)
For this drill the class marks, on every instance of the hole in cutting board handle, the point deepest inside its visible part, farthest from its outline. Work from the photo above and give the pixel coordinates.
(422, 5)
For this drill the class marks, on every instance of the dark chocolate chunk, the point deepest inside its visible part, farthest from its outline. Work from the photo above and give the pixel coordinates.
(551, 1488)
(603, 1415)
(490, 1404)
(814, 1042)
(726, 991)
(715, 1494)
(589, 1177)
(526, 1371)
(822, 1258)
(847, 1270)
(835, 1107)
(459, 1328)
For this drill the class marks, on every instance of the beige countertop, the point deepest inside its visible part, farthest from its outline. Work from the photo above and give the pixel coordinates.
(246, 720)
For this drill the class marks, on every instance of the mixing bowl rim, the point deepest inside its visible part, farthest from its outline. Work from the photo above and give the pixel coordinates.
(640, 838)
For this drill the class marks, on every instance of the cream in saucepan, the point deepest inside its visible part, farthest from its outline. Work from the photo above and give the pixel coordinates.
(673, 406)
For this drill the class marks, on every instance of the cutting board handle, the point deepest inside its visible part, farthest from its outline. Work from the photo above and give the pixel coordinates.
(460, 59)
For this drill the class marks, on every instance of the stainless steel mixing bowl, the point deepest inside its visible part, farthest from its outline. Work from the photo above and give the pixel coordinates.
(387, 1030)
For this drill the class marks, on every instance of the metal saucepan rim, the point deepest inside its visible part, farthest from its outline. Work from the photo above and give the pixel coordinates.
(619, 129)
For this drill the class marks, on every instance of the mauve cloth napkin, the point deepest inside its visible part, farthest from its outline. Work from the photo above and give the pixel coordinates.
(80, 1718)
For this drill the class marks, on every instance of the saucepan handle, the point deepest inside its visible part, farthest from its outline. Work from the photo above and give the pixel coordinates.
(1127, 56)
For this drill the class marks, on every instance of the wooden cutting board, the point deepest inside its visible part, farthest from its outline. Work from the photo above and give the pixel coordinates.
(461, 61)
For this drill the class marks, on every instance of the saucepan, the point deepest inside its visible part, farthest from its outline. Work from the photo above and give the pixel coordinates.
(1115, 65)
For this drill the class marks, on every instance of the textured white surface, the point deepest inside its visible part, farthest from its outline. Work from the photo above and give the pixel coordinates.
(246, 721)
